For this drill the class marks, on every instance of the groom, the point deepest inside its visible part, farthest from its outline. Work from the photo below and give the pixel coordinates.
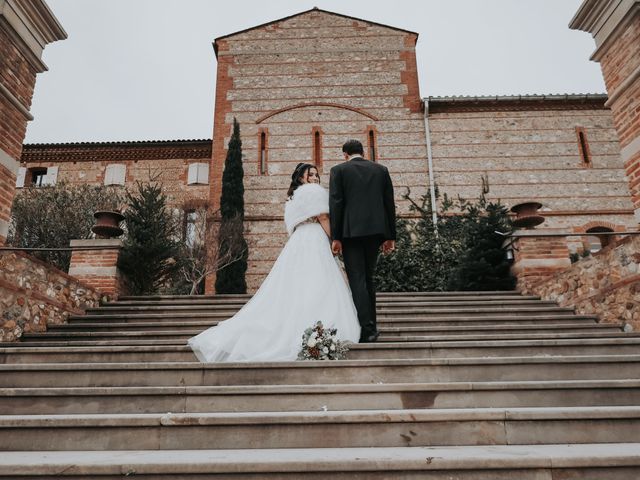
(363, 220)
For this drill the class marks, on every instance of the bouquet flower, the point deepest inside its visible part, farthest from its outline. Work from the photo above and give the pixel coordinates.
(320, 343)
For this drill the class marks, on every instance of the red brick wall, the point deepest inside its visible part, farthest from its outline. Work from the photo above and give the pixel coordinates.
(19, 78)
(107, 284)
(537, 258)
(621, 58)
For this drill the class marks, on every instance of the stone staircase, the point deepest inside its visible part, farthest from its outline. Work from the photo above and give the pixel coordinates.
(469, 386)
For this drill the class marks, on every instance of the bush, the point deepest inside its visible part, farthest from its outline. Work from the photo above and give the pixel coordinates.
(52, 216)
(463, 254)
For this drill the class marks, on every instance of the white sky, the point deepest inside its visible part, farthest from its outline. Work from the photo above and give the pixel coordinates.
(145, 69)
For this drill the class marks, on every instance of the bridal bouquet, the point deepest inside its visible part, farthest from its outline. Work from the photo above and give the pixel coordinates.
(320, 343)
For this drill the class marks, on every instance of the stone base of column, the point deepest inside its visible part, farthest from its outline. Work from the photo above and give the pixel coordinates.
(98, 268)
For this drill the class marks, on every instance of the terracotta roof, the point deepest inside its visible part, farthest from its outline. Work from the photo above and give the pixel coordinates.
(314, 9)
(128, 143)
(111, 151)
(572, 101)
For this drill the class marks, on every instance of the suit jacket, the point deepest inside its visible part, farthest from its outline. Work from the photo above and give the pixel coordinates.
(361, 200)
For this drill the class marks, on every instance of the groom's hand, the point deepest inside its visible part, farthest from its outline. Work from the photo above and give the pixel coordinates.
(336, 247)
(388, 246)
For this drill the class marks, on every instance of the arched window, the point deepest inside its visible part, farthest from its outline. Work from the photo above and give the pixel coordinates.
(583, 147)
(262, 152)
(316, 133)
(595, 243)
(371, 144)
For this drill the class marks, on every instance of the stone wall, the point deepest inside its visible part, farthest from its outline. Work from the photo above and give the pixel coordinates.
(314, 72)
(606, 284)
(33, 294)
(531, 150)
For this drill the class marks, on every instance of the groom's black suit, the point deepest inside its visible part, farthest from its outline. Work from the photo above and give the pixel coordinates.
(362, 211)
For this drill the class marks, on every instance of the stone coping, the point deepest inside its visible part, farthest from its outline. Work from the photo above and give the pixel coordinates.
(97, 242)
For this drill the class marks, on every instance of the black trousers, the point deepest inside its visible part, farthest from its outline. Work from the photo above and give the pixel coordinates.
(360, 257)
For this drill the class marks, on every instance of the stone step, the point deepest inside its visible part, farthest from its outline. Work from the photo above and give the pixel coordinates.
(418, 349)
(385, 337)
(213, 305)
(335, 429)
(169, 331)
(612, 461)
(212, 300)
(486, 320)
(394, 295)
(434, 320)
(176, 336)
(450, 309)
(78, 325)
(75, 400)
(591, 367)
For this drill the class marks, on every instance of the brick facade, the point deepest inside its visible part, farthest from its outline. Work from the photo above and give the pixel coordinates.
(25, 28)
(529, 149)
(313, 72)
(344, 77)
(167, 161)
(615, 27)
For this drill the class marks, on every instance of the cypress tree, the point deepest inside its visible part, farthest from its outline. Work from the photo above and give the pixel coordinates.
(231, 278)
(150, 250)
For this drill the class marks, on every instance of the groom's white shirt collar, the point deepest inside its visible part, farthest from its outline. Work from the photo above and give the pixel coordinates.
(357, 155)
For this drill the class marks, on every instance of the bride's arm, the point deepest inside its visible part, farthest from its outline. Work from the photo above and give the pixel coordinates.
(324, 222)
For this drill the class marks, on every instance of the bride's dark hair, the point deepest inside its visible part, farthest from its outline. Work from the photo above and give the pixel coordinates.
(298, 175)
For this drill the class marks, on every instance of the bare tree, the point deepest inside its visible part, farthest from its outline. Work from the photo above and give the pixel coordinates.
(200, 256)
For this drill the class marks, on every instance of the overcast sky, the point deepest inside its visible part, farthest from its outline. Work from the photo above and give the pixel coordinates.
(145, 69)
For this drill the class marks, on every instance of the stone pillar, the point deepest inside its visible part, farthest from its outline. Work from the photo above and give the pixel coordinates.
(98, 268)
(615, 27)
(538, 258)
(26, 27)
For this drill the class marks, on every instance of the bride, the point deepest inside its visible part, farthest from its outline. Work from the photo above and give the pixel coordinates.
(304, 286)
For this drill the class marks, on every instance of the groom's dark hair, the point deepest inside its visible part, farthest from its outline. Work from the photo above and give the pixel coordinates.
(353, 147)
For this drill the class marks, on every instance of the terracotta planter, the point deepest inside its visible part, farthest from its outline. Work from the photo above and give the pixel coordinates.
(527, 215)
(107, 224)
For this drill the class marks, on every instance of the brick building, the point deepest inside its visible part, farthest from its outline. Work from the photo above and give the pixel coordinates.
(300, 87)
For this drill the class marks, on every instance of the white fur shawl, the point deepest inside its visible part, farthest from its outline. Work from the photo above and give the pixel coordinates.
(309, 200)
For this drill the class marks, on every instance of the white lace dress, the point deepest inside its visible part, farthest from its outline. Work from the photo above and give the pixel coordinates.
(304, 286)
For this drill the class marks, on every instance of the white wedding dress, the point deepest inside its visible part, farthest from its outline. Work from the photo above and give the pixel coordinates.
(305, 286)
